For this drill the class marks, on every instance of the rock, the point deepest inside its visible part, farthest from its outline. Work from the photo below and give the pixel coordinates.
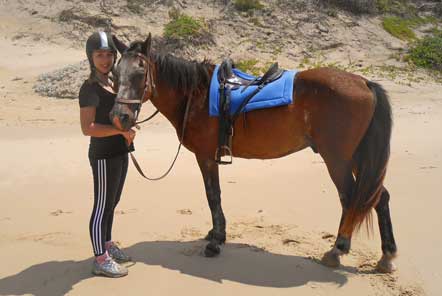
(394, 46)
(185, 212)
(332, 45)
(322, 28)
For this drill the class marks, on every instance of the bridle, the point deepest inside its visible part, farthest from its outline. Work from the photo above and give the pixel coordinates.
(149, 93)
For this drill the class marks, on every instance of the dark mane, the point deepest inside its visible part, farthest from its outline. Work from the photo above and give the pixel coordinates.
(178, 73)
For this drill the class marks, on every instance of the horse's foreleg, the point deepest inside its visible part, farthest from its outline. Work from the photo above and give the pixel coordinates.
(341, 174)
(386, 229)
(216, 236)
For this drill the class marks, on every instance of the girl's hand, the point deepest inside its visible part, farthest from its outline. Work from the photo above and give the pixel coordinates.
(129, 136)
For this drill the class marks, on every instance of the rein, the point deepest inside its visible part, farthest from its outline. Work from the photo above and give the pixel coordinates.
(148, 118)
(138, 167)
(144, 98)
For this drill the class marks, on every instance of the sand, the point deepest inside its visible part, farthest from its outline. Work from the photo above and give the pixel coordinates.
(282, 214)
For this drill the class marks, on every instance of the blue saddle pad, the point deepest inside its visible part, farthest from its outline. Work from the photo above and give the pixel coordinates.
(276, 93)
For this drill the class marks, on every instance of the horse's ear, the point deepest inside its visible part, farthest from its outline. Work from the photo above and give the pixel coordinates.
(147, 45)
(119, 44)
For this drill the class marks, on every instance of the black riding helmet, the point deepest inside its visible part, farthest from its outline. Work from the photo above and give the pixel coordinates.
(99, 40)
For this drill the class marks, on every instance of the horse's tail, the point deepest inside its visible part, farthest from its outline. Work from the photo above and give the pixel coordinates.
(370, 162)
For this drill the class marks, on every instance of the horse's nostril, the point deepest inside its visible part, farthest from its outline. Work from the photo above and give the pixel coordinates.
(124, 117)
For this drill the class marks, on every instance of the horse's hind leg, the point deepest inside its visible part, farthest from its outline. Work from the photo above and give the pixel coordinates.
(216, 236)
(386, 229)
(341, 174)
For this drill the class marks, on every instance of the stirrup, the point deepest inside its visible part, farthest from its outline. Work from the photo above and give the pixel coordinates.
(219, 157)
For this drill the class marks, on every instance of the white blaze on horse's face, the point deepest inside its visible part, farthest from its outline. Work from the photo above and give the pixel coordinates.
(131, 79)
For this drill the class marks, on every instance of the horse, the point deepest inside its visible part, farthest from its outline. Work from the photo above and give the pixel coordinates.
(344, 117)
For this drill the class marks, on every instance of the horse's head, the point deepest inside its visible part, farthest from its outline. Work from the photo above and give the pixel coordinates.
(135, 82)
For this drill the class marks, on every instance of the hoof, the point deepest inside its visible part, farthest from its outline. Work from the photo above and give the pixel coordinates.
(331, 258)
(385, 264)
(212, 250)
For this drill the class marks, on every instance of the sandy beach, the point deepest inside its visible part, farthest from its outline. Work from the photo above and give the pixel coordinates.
(282, 214)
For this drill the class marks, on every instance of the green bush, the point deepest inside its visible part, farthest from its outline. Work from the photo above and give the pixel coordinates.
(248, 66)
(427, 52)
(402, 27)
(397, 7)
(246, 5)
(398, 27)
(251, 66)
(182, 26)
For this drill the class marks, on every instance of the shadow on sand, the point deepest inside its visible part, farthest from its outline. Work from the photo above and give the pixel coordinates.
(238, 263)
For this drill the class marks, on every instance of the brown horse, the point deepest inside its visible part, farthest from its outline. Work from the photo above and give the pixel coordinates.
(343, 117)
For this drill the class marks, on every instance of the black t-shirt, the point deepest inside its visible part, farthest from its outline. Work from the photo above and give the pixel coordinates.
(92, 94)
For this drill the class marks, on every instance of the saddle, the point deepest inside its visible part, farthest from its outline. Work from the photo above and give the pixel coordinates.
(228, 77)
(228, 81)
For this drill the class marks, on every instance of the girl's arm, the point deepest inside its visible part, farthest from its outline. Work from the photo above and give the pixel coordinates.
(90, 128)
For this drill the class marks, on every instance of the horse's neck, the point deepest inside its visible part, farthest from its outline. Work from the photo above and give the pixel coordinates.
(171, 103)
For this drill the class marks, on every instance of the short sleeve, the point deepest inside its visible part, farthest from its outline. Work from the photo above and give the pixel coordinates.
(88, 96)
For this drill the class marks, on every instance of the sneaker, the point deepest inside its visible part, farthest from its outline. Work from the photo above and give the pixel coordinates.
(109, 268)
(117, 254)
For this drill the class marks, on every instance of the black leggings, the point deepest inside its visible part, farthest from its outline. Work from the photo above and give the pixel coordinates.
(109, 176)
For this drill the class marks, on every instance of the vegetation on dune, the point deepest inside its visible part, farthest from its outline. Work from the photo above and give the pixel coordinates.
(248, 66)
(182, 26)
(252, 66)
(186, 28)
(427, 52)
(247, 5)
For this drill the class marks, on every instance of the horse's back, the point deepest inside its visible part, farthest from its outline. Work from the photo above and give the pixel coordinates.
(337, 83)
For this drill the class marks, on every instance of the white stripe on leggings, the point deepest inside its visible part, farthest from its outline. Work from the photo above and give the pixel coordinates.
(97, 206)
(103, 205)
(99, 210)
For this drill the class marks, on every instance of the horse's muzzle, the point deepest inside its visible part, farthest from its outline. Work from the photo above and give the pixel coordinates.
(121, 122)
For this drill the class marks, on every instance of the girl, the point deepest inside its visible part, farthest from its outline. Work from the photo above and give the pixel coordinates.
(108, 153)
